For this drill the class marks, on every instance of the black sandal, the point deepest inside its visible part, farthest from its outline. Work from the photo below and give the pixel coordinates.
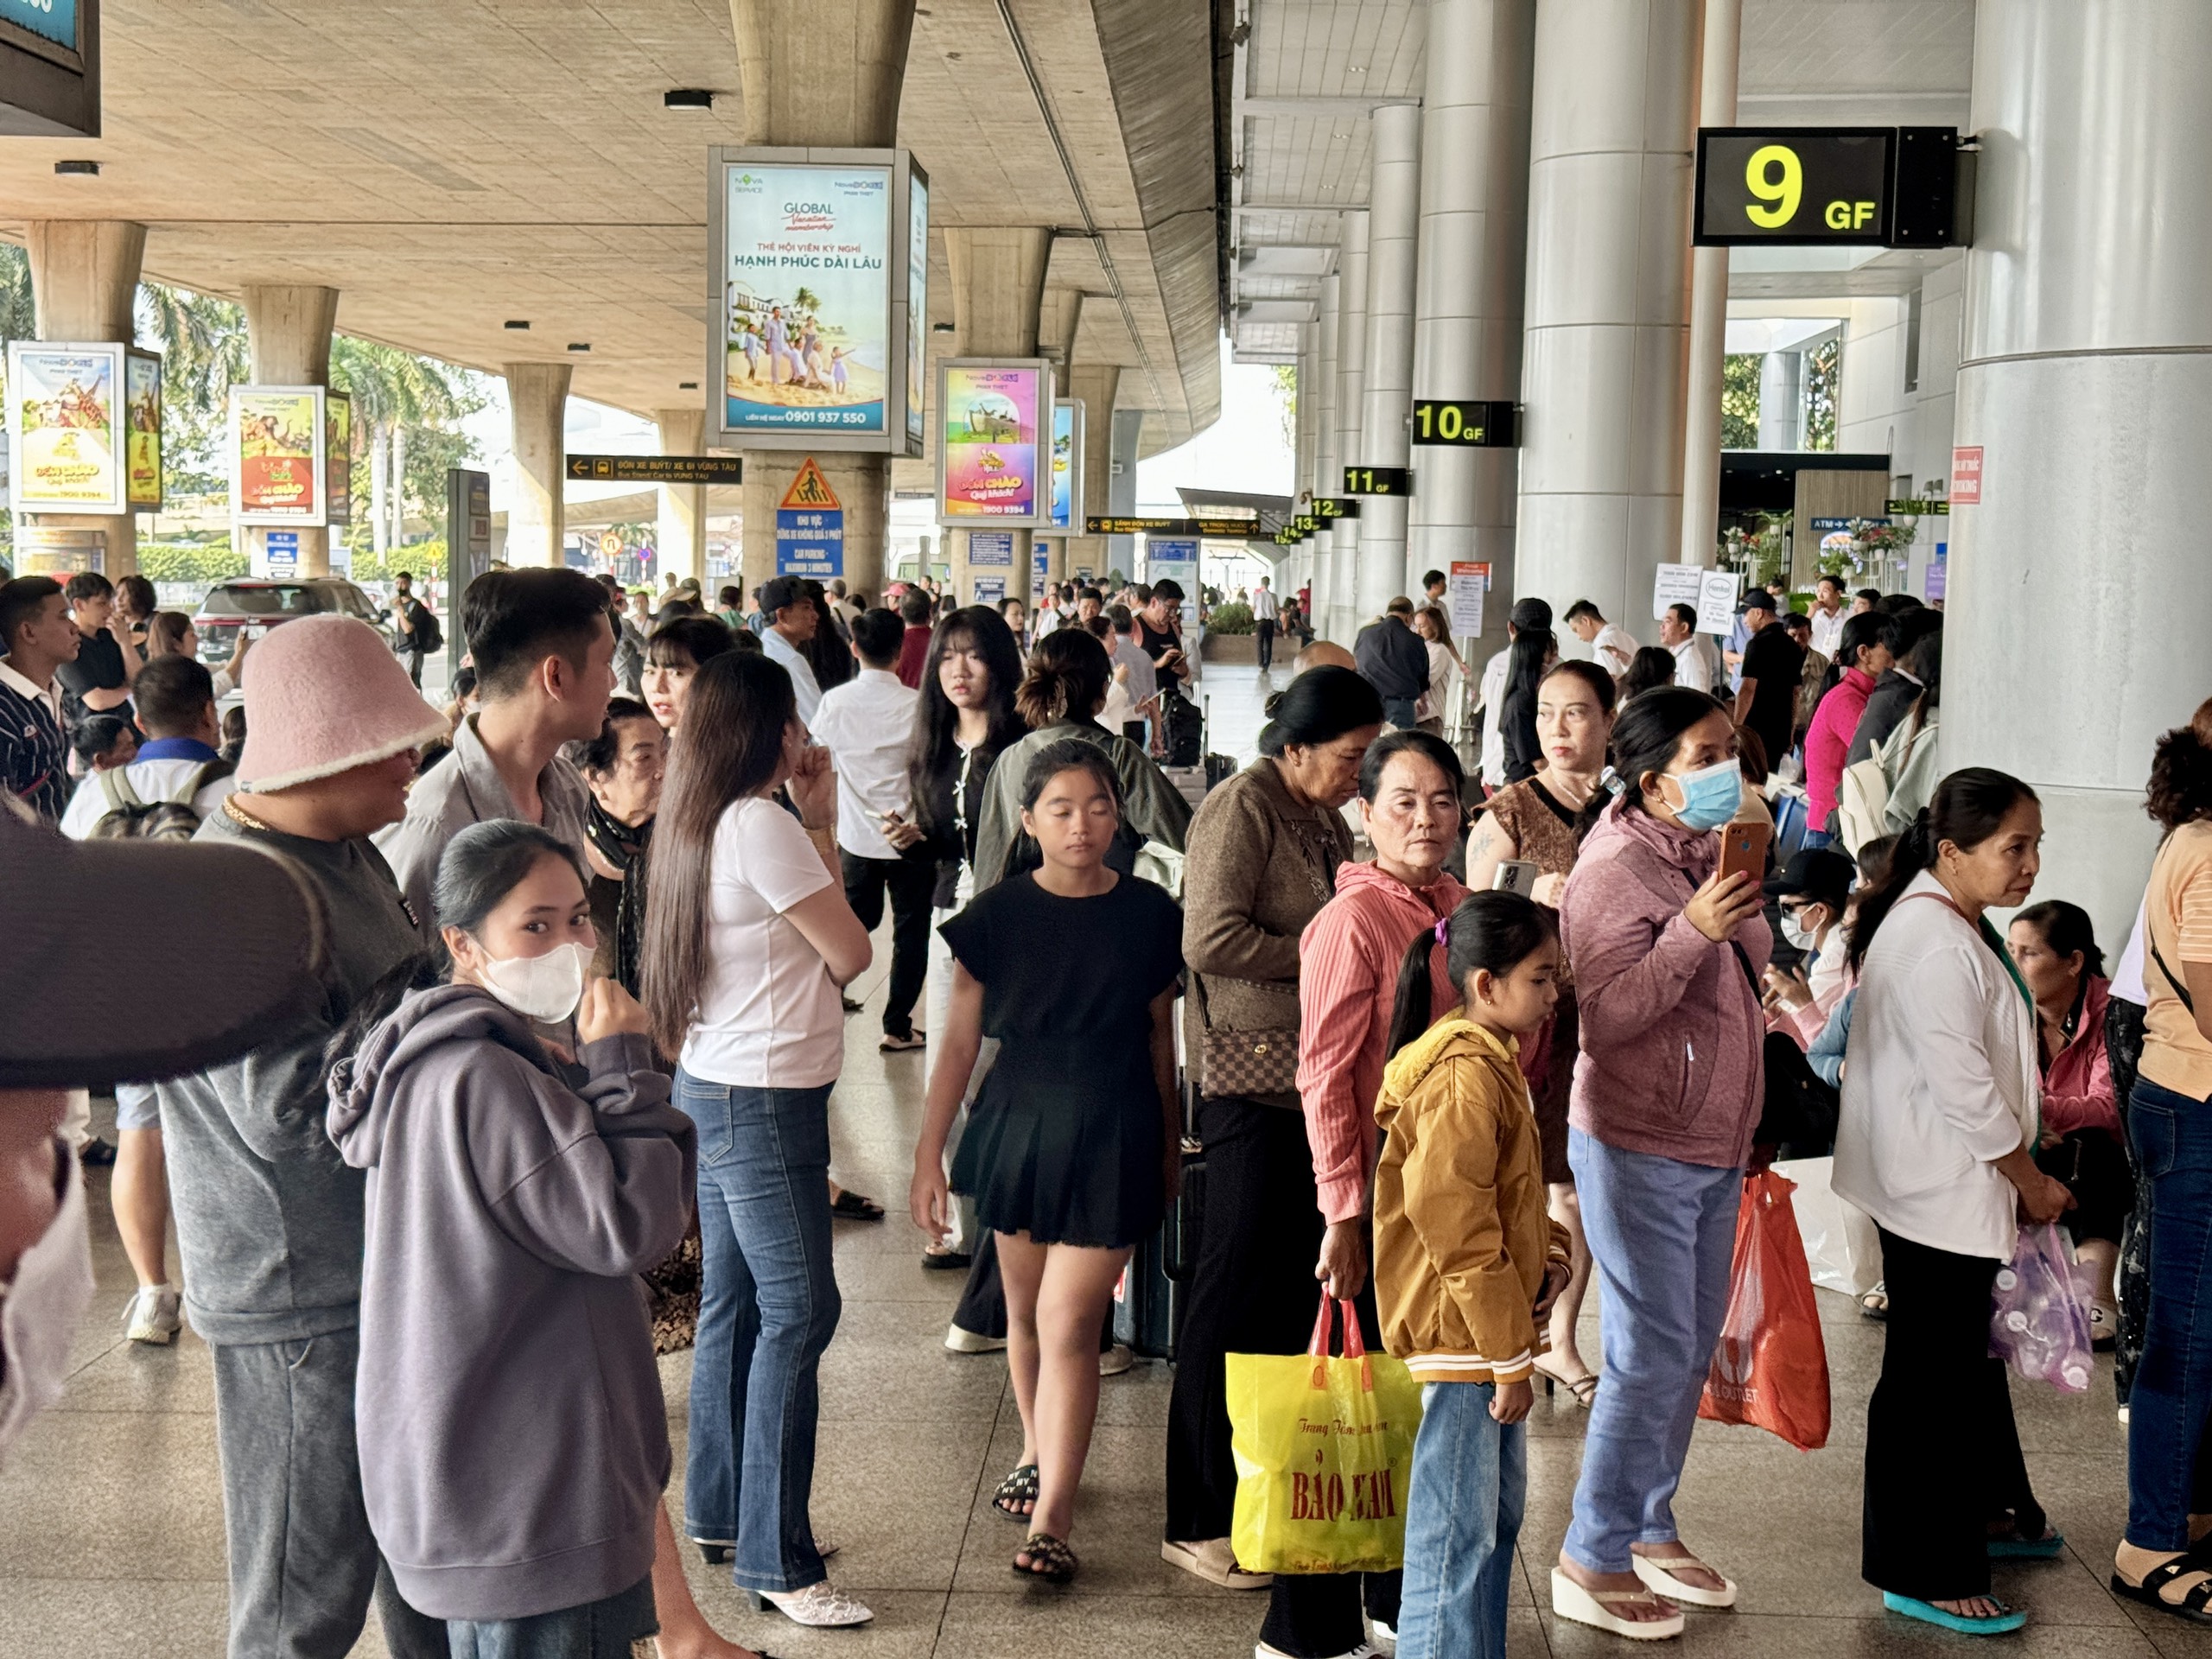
(1018, 1487)
(853, 1207)
(2191, 1606)
(1050, 1559)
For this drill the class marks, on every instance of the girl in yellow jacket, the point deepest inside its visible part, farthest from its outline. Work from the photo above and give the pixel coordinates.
(1466, 1262)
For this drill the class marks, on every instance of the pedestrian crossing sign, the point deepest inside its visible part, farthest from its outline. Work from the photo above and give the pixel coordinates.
(810, 488)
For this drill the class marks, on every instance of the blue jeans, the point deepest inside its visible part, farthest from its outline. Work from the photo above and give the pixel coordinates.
(1817, 838)
(1463, 1517)
(767, 1309)
(1399, 711)
(1662, 1233)
(2167, 1406)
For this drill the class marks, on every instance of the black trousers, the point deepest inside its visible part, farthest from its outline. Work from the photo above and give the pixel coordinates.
(1942, 1452)
(1253, 1291)
(414, 654)
(1267, 627)
(911, 883)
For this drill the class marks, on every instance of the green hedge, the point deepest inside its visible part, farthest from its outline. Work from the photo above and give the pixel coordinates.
(190, 562)
(1231, 618)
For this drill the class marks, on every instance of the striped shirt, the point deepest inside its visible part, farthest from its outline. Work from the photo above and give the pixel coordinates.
(33, 755)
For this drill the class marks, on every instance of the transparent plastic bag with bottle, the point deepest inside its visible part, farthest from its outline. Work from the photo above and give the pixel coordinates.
(2039, 1311)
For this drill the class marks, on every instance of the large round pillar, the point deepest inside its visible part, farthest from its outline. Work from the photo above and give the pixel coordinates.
(998, 296)
(826, 73)
(1095, 385)
(1351, 411)
(1716, 107)
(1328, 476)
(1393, 227)
(1782, 401)
(1606, 329)
(1474, 220)
(537, 405)
(84, 284)
(288, 331)
(680, 535)
(2084, 394)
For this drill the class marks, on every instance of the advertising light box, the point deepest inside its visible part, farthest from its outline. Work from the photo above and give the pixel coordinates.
(993, 448)
(65, 433)
(142, 423)
(277, 451)
(1067, 464)
(338, 459)
(814, 346)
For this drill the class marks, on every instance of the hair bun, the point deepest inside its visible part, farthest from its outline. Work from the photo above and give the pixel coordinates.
(1273, 706)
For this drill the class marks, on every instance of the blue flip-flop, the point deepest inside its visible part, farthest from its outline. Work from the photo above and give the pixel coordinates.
(1928, 1613)
(2027, 1549)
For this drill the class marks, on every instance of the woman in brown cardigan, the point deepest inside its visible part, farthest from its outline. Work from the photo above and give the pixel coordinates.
(1261, 860)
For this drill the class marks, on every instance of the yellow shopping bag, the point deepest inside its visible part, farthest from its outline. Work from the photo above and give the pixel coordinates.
(1325, 1451)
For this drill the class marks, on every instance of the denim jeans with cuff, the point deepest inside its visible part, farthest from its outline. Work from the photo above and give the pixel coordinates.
(1463, 1517)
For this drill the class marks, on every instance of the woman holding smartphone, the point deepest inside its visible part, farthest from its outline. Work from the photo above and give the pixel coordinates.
(1530, 834)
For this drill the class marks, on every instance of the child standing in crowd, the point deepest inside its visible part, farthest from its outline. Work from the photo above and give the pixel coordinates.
(512, 1437)
(1074, 1146)
(1466, 1261)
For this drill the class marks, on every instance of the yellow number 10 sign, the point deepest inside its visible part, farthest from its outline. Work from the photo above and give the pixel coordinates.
(1807, 185)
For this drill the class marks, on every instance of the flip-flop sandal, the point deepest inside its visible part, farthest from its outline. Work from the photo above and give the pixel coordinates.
(2002, 1623)
(1050, 1559)
(1594, 1607)
(2013, 1548)
(2191, 1606)
(1653, 1570)
(1019, 1487)
(853, 1207)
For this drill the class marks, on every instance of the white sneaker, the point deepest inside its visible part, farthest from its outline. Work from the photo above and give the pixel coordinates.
(966, 1342)
(153, 1315)
(821, 1606)
(1385, 1636)
(1112, 1362)
(1362, 1651)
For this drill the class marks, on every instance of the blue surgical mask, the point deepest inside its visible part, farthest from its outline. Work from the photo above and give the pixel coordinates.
(1710, 795)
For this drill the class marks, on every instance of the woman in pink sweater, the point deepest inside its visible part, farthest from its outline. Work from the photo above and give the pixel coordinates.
(1867, 649)
(1667, 955)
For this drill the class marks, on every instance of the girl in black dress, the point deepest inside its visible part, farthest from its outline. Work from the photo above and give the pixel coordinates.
(1072, 1147)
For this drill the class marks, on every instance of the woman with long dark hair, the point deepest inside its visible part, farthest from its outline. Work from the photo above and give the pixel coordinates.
(1666, 953)
(748, 941)
(623, 767)
(1264, 849)
(1936, 1141)
(1527, 658)
(1651, 667)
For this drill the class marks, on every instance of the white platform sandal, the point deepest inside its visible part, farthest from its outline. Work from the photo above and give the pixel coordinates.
(1653, 1570)
(1571, 1601)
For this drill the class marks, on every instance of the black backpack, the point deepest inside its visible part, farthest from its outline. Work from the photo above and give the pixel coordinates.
(428, 636)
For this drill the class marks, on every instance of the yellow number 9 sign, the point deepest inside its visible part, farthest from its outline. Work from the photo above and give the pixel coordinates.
(1776, 177)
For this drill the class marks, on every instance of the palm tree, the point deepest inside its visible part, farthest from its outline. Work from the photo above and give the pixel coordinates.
(18, 313)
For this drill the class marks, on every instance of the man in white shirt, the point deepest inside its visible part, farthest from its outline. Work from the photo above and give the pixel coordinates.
(1613, 646)
(176, 709)
(1142, 679)
(1696, 664)
(1265, 610)
(865, 724)
(1526, 613)
(1827, 616)
(791, 622)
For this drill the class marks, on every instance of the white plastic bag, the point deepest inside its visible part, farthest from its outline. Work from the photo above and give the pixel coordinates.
(1841, 1246)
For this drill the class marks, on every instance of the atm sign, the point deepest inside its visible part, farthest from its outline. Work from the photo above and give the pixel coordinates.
(1794, 185)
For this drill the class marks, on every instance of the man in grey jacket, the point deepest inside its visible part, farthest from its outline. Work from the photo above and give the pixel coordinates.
(267, 1214)
(543, 642)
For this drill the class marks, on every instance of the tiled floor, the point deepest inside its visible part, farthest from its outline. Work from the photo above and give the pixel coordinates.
(111, 1520)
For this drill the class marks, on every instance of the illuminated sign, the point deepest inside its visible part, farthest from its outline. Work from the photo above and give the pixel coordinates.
(142, 424)
(1461, 422)
(993, 442)
(658, 469)
(338, 459)
(277, 454)
(1240, 530)
(1335, 506)
(65, 433)
(1067, 464)
(50, 68)
(1870, 187)
(1378, 480)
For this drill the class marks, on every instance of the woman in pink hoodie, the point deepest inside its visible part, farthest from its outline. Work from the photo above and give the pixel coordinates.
(1666, 957)
(1349, 957)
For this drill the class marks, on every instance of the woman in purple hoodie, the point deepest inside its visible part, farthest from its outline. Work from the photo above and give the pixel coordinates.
(1667, 957)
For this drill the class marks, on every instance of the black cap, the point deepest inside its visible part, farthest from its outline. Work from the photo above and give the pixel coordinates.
(1531, 613)
(778, 593)
(1759, 600)
(1821, 875)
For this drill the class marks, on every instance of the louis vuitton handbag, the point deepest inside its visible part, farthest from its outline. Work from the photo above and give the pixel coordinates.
(1244, 1062)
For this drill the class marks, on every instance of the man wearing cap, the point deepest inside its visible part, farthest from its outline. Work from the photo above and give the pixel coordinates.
(269, 1216)
(1812, 890)
(1526, 613)
(1766, 698)
(543, 642)
(791, 622)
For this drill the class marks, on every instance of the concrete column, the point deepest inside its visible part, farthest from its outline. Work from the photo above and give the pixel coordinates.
(1782, 400)
(1474, 225)
(1716, 107)
(1095, 385)
(2085, 385)
(84, 283)
(681, 535)
(1394, 225)
(1328, 476)
(1343, 613)
(1607, 326)
(288, 329)
(998, 295)
(824, 73)
(537, 402)
(1128, 437)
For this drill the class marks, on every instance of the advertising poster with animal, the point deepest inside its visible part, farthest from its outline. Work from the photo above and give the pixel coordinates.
(991, 442)
(62, 408)
(275, 432)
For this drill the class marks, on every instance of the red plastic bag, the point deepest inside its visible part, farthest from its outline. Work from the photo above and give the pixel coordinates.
(1771, 1370)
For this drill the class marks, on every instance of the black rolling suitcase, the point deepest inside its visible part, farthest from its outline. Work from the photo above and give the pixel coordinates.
(1148, 1302)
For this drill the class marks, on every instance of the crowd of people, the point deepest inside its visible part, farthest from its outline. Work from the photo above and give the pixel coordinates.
(552, 1092)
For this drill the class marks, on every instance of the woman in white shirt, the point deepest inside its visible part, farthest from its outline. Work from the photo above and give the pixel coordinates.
(745, 988)
(1937, 1142)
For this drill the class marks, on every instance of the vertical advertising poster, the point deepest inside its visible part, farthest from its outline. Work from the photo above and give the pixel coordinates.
(807, 299)
(918, 309)
(338, 459)
(1067, 464)
(277, 454)
(990, 445)
(64, 430)
(141, 423)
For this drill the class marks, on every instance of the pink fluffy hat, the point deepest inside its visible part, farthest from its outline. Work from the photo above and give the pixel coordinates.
(323, 694)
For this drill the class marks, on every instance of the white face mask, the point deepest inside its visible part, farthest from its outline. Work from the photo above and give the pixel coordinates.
(546, 989)
(1794, 929)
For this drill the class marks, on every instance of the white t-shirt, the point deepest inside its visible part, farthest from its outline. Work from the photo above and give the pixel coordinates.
(1827, 631)
(805, 688)
(1492, 691)
(1614, 649)
(769, 1016)
(1264, 609)
(865, 724)
(1693, 663)
(153, 780)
